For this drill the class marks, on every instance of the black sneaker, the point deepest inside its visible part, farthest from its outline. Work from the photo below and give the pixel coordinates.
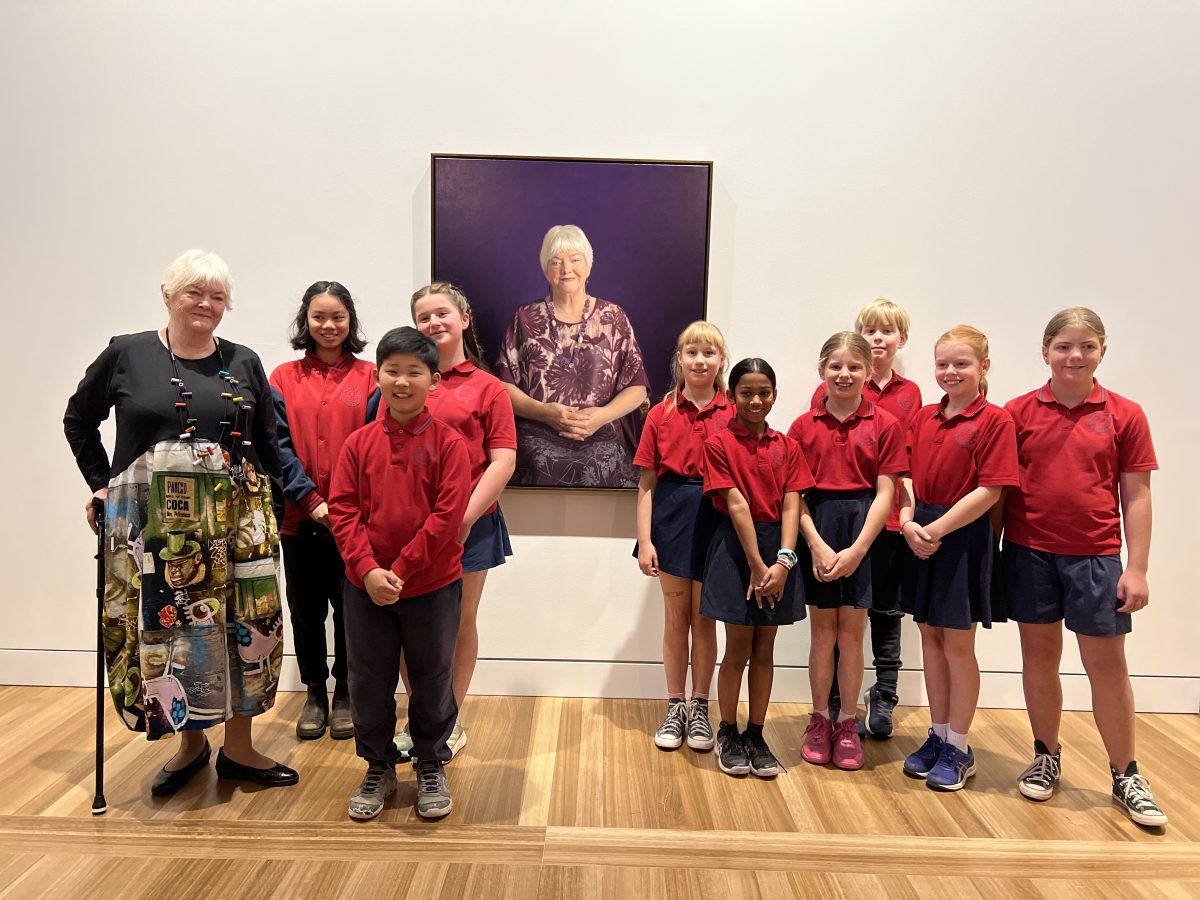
(731, 754)
(880, 703)
(762, 761)
(1131, 792)
(674, 725)
(1040, 777)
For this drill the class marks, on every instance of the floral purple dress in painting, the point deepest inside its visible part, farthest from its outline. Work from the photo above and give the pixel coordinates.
(580, 364)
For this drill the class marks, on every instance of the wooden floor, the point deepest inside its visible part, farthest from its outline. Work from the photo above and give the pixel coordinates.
(569, 798)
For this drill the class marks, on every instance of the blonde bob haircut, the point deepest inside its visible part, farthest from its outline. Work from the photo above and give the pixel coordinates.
(1074, 315)
(973, 338)
(565, 237)
(201, 268)
(699, 332)
(845, 340)
(882, 311)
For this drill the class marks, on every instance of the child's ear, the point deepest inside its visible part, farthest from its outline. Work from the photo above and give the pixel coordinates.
(377, 384)
(434, 380)
(903, 341)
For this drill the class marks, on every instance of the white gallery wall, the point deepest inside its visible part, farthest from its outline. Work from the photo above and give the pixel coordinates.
(976, 161)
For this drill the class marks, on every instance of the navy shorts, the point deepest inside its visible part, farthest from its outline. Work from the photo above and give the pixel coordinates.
(1049, 587)
(839, 517)
(487, 543)
(961, 583)
(682, 523)
(727, 575)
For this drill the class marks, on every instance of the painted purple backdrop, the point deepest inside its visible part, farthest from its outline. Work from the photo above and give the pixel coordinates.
(647, 222)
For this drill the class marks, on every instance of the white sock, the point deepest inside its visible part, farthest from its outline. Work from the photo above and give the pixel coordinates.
(843, 716)
(958, 740)
(941, 730)
(821, 712)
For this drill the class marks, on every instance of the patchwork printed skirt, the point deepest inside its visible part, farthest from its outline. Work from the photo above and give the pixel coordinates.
(193, 628)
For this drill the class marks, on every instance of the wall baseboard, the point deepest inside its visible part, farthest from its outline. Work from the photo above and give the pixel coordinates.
(639, 680)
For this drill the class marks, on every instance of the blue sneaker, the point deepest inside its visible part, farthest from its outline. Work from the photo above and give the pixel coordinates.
(918, 764)
(952, 769)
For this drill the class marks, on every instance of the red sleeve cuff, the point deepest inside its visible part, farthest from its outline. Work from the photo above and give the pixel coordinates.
(364, 567)
(311, 501)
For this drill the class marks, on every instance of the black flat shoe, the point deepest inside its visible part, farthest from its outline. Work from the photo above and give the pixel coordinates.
(278, 775)
(167, 783)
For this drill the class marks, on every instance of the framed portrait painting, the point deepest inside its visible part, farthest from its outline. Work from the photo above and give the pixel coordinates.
(580, 321)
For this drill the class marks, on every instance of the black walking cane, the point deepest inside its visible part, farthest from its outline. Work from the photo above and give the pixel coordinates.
(99, 804)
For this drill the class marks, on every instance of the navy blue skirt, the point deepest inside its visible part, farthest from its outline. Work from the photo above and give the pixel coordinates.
(961, 583)
(839, 517)
(682, 522)
(487, 543)
(727, 575)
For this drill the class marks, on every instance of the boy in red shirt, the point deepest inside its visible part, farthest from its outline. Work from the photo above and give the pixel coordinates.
(398, 498)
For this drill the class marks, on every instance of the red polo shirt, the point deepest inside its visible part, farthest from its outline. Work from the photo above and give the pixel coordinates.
(763, 468)
(1071, 461)
(900, 397)
(398, 499)
(850, 455)
(477, 406)
(950, 457)
(325, 403)
(674, 434)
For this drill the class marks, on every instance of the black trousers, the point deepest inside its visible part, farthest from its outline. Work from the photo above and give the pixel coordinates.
(313, 569)
(425, 628)
(885, 617)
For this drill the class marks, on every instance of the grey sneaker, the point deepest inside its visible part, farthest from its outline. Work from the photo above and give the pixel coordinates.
(1040, 777)
(762, 761)
(1131, 792)
(403, 743)
(670, 733)
(731, 754)
(433, 793)
(699, 729)
(379, 783)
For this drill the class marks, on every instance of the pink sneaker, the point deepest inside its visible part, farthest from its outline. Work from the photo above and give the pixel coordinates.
(816, 740)
(847, 749)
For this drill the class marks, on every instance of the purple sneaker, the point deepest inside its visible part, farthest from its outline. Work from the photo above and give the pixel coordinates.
(919, 762)
(952, 769)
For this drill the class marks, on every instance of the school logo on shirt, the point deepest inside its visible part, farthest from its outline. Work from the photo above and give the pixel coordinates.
(778, 454)
(352, 396)
(1100, 422)
(864, 436)
(905, 402)
(424, 455)
(967, 434)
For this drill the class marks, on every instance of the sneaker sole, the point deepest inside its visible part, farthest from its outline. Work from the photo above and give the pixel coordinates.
(340, 734)
(310, 735)
(733, 770)
(702, 745)
(1148, 821)
(852, 765)
(814, 762)
(666, 743)
(912, 773)
(866, 723)
(1032, 792)
(457, 748)
(970, 773)
(435, 813)
(363, 816)
(764, 773)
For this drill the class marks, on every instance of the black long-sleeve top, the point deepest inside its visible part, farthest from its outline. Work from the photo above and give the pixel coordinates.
(134, 374)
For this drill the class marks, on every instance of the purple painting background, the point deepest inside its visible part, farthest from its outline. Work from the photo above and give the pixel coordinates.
(647, 222)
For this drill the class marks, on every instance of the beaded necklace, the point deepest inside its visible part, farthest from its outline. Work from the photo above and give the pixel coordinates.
(589, 306)
(232, 422)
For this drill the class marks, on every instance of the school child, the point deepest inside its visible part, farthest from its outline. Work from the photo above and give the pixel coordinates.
(962, 454)
(885, 325)
(754, 475)
(319, 400)
(400, 491)
(1085, 456)
(475, 403)
(676, 520)
(856, 451)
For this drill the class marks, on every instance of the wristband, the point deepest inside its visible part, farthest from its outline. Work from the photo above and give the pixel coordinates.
(902, 524)
(787, 558)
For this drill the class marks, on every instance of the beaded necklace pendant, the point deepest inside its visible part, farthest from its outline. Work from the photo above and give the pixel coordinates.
(233, 423)
(589, 306)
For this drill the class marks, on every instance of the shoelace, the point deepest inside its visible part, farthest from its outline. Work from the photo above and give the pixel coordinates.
(430, 778)
(676, 719)
(698, 723)
(1136, 790)
(373, 782)
(1043, 771)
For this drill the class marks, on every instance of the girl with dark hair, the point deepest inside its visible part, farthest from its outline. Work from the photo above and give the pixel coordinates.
(319, 400)
(476, 404)
(754, 476)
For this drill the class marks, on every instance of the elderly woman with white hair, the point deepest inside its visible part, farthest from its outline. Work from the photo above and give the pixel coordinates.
(574, 371)
(193, 631)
